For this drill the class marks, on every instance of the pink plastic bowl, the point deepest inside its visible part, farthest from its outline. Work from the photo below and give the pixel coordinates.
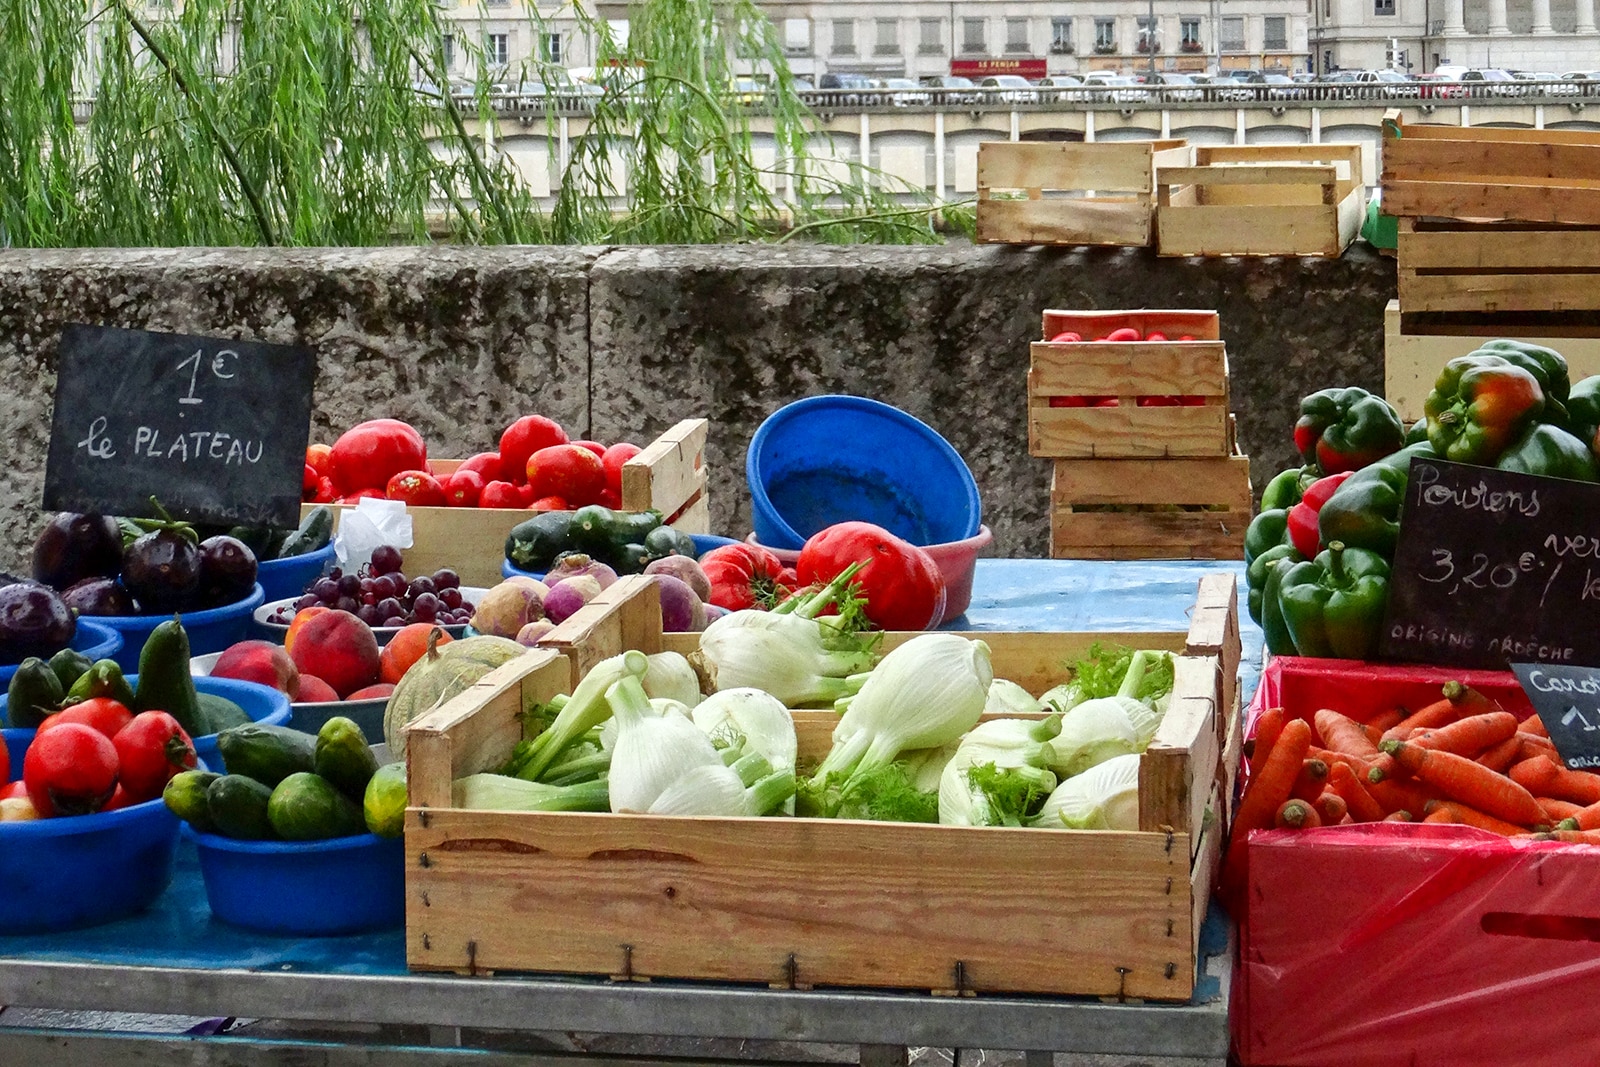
(956, 560)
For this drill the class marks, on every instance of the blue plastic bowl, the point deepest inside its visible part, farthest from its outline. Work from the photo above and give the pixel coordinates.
(316, 888)
(703, 543)
(209, 631)
(829, 459)
(62, 874)
(283, 578)
(94, 639)
(262, 703)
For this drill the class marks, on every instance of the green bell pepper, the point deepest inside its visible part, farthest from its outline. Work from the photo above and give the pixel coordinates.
(1583, 408)
(1274, 624)
(1255, 577)
(1345, 429)
(1364, 512)
(1286, 489)
(1333, 605)
(1267, 530)
(1549, 451)
(1545, 364)
(1479, 405)
(1418, 432)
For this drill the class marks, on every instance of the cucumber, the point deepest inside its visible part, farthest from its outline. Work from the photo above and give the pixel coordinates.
(102, 679)
(343, 756)
(69, 665)
(238, 808)
(269, 754)
(594, 531)
(384, 805)
(220, 713)
(534, 542)
(665, 541)
(186, 797)
(33, 693)
(165, 681)
(306, 807)
(315, 531)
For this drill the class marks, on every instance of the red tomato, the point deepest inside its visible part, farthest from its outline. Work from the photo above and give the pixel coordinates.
(1155, 335)
(609, 498)
(571, 472)
(500, 495)
(593, 446)
(525, 495)
(486, 464)
(5, 767)
(99, 713)
(120, 798)
(361, 494)
(525, 437)
(1192, 401)
(70, 770)
(309, 480)
(902, 584)
(551, 503)
(417, 488)
(463, 488)
(326, 492)
(1066, 335)
(1080, 401)
(744, 576)
(1127, 333)
(320, 459)
(18, 788)
(150, 750)
(612, 461)
(1159, 401)
(366, 456)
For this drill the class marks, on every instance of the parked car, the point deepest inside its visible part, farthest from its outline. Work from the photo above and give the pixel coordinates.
(849, 90)
(1544, 83)
(1584, 82)
(952, 89)
(1061, 87)
(1490, 81)
(1009, 89)
(904, 92)
(1231, 85)
(1368, 85)
(1283, 87)
(1437, 86)
(1175, 86)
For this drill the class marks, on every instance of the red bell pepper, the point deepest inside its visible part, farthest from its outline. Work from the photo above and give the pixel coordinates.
(1303, 532)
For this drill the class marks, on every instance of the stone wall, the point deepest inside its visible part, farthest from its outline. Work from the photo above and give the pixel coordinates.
(624, 342)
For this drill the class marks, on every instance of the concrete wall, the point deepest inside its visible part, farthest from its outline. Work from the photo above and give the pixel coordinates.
(624, 342)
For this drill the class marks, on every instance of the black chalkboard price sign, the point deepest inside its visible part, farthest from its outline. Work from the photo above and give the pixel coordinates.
(215, 429)
(1493, 568)
(1568, 702)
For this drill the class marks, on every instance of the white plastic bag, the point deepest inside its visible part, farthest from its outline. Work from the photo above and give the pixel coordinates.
(372, 524)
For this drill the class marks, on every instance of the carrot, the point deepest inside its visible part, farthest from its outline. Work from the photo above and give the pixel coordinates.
(1471, 783)
(1576, 837)
(1469, 700)
(1441, 712)
(1441, 815)
(1534, 745)
(1468, 816)
(1369, 731)
(1401, 794)
(1386, 719)
(1470, 736)
(1343, 734)
(1589, 818)
(1331, 806)
(1310, 782)
(1296, 814)
(1343, 780)
(1263, 796)
(1330, 757)
(1556, 810)
(1546, 777)
(1534, 725)
(1500, 757)
(1398, 816)
(1268, 727)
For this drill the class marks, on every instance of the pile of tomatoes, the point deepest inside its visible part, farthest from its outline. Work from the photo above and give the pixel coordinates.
(536, 467)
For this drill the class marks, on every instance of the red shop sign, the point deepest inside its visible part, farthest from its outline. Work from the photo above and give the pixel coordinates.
(983, 68)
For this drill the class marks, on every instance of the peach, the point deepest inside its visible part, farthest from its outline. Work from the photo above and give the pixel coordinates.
(338, 648)
(301, 617)
(381, 691)
(261, 662)
(314, 690)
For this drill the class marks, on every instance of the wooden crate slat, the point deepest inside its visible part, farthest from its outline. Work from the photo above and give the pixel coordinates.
(1147, 535)
(1106, 167)
(1394, 128)
(1268, 174)
(626, 615)
(1493, 200)
(1224, 480)
(1214, 630)
(1464, 246)
(1080, 221)
(1264, 229)
(1126, 431)
(1409, 159)
(1110, 187)
(1129, 368)
(1498, 292)
(1201, 325)
(670, 476)
(1178, 771)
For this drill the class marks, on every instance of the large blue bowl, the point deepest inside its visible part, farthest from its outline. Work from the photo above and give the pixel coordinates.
(66, 873)
(283, 578)
(829, 459)
(262, 703)
(703, 543)
(212, 630)
(316, 888)
(93, 638)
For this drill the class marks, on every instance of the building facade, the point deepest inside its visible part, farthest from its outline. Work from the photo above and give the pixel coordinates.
(1550, 36)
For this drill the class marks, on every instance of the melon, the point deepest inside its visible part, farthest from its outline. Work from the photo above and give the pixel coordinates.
(445, 671)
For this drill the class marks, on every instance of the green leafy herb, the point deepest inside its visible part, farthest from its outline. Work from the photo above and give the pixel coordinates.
(1015, 794)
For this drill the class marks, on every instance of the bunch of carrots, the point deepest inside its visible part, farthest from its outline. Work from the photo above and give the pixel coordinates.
(1461, 759)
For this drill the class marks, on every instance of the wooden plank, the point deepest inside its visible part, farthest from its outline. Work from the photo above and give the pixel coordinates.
(1250, 174)
(1126, 431)
(1201, 325)
(1206, 864)
(1147, 535)
(721, 899)
(1499, 200)
(1178, 770)
(1108, 166)
(1224, 480)
(1487, 248)
(625, 616)
(1498, 292)
(1574, 164)
(1232, 755)
(669, 475)
(1214, 630)
(1129, 368)
(1441, 131)
(1267, 230)
(1081, 221)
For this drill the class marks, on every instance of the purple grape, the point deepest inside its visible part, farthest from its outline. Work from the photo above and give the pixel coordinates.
(349, 585)
(369, 598)
(368, 585)
(369, 615)
(336, 574)
(346, 603)
(445, 578)
(451, 597)
(394, 621)
(308, 601)
(325, 589)
(389, 607)
(426, 607)
(419, 586)
(385, 559)
(468, 608)
(388, 586)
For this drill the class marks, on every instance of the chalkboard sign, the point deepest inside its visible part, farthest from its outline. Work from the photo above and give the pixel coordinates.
(1568, 702)
(215, 429)
(1494, 567)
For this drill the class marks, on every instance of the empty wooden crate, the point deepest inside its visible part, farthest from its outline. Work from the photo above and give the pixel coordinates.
(1071, 192)
(1129, 399)
(1458, 268)
(1150, 508)
(1269, 200)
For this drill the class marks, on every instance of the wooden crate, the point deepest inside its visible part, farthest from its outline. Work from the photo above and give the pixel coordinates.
(1071, 193)
(1150, 509)
(1413, 356)
(669, 475)
(1128, 370)
(810, 902)
(1265, 200)
(1482, 174)
(1466, 268)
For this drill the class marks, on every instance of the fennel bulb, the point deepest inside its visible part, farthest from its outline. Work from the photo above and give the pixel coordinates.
(1105, 797)
(1093, 732)
(925, 766)
(670, 677)
(1009, 698)
(497, 792)
(779, 654)
(1012, 757)
(925, 693)
(753, 719)
(583, 711)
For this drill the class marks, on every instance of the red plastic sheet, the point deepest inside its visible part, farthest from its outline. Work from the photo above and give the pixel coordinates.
(1424, 946)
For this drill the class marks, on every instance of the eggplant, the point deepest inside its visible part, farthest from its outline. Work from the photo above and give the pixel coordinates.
(162, 571)
(227, 571)
(34, 621)
(73, 547)
(99, 596)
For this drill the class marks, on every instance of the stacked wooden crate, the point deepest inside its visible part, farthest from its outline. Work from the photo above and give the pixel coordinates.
(1499, 236)
(1072, 193)
(1146, 462)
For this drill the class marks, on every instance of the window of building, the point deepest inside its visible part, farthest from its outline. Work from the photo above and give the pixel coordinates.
(1383, 7)
(888, 37)
(1016, 35)
(1105, 36)
(449, 52)
(499, 3)
(1189, 34)
(973, 39)
(551, 44)
(930, 37)
(1061, 37)
(1233, 35)
(797, 37)
(497, 49)
(1275, 33)
(844, 37)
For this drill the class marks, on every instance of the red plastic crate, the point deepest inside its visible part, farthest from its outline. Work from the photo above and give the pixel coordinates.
(1427, 946)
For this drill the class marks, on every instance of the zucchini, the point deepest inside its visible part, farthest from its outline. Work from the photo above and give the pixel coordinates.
(268, 754)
